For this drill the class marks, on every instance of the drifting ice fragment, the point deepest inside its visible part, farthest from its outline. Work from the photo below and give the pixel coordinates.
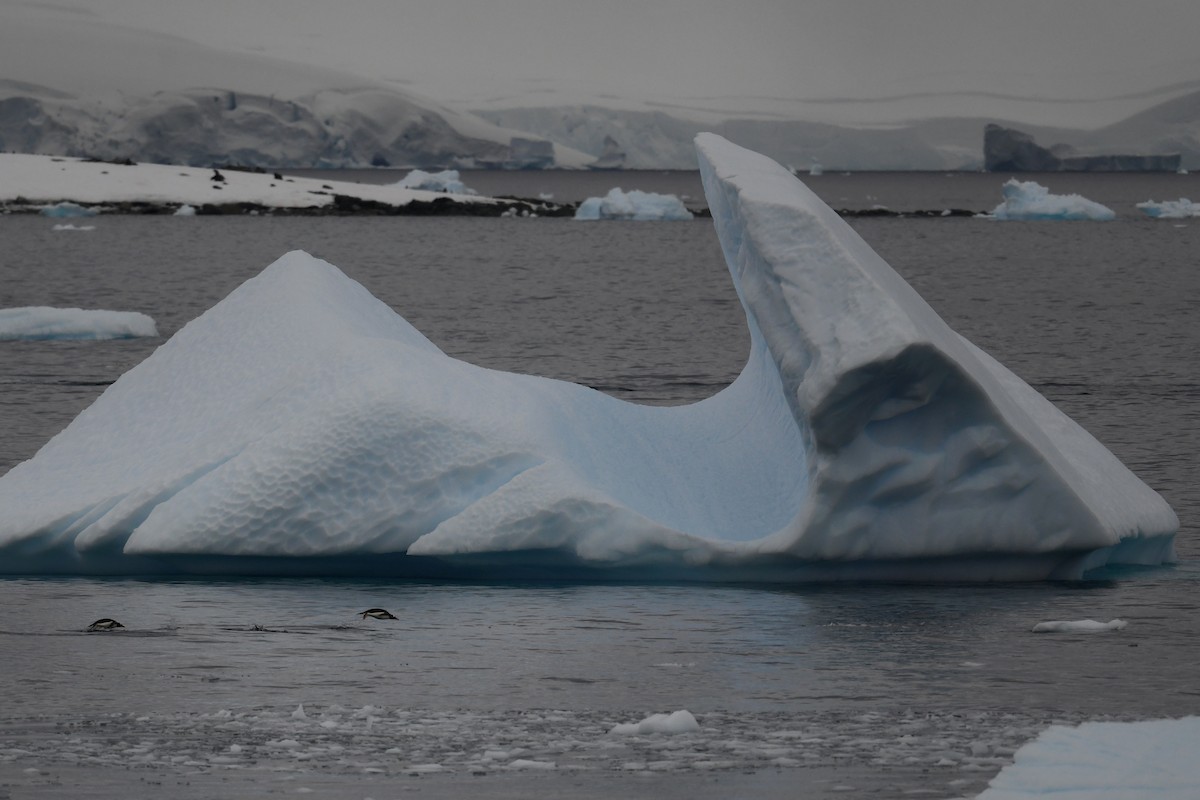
(1079, 626)
(302, 426)
(635, 205)
(677, 722)
(42, 322)
(1031, 200)
(1170, 209)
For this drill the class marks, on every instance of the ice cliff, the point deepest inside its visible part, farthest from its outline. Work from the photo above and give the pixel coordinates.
(301, 426)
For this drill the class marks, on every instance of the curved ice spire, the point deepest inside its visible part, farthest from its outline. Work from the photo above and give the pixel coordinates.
(301, 426)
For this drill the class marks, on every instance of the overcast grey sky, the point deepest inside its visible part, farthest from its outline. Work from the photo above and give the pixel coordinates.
(507, 52)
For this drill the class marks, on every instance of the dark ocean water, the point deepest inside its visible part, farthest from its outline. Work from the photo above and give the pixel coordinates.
(884, 688)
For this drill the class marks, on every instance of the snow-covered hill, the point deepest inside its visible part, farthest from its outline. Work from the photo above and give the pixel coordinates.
(186, 102)
(658, 140)
(183, 102)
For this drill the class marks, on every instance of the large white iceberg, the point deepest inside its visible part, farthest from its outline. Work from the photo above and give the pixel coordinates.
(300, 425)
(1151, 760)
(1031, 200)
(635, 205)
(45, 322)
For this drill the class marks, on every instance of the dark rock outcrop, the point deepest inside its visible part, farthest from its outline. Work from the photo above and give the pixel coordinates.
(1009, 150)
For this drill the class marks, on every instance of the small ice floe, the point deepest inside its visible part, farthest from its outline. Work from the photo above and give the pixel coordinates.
(185, 210)
(1182, 208)
(1027, 200)
(445, 181)
(43, 322)
(299, 712)
(1079, 626)
(634, 205)
(67, 226)
(677, 722)
(67, 209)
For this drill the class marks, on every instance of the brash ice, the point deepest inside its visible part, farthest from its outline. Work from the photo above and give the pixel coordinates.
(300, 426)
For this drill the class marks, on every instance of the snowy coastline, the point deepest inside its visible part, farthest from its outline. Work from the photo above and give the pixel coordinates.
(30, 183)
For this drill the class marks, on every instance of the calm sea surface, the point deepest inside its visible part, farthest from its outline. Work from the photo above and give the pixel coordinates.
(265, 687)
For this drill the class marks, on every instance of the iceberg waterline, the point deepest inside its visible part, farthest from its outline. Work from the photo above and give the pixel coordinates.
(301, 426)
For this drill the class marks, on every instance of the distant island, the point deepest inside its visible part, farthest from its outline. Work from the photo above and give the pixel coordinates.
(1010, 150)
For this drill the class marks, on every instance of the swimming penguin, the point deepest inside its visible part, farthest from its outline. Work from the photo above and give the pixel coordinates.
(377, 613)
(105, 624)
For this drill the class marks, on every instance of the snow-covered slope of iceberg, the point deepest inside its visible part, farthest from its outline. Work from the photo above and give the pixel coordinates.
(300, 425)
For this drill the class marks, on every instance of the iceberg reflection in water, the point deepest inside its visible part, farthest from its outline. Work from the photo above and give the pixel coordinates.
(300, 426)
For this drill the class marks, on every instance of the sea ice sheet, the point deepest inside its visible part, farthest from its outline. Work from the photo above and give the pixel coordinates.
(302, 426)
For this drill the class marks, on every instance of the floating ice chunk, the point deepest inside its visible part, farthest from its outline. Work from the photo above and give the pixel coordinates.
(445, 181)
(1170, 209)
(42, 322)
(299, 712)
(635, 205)
(1031, 200)
(1079, 626)
(678, 722)
(67, 209)
(67, 226)
(1152, 760)
(301, 425)
(185, 210)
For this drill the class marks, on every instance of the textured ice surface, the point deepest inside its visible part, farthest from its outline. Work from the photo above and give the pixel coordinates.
(1152, 760)
(445, 181)
(300, 425)
(42, 322)
(635, 205)
(1031, 200)
(1170, 209)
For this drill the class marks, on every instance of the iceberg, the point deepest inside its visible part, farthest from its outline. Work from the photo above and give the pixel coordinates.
(445, 181)
(66, 210)
(635, 205)
(43, 322)
(1182, 208)
(1149, 760)
(1031, 200)
(301, 426)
